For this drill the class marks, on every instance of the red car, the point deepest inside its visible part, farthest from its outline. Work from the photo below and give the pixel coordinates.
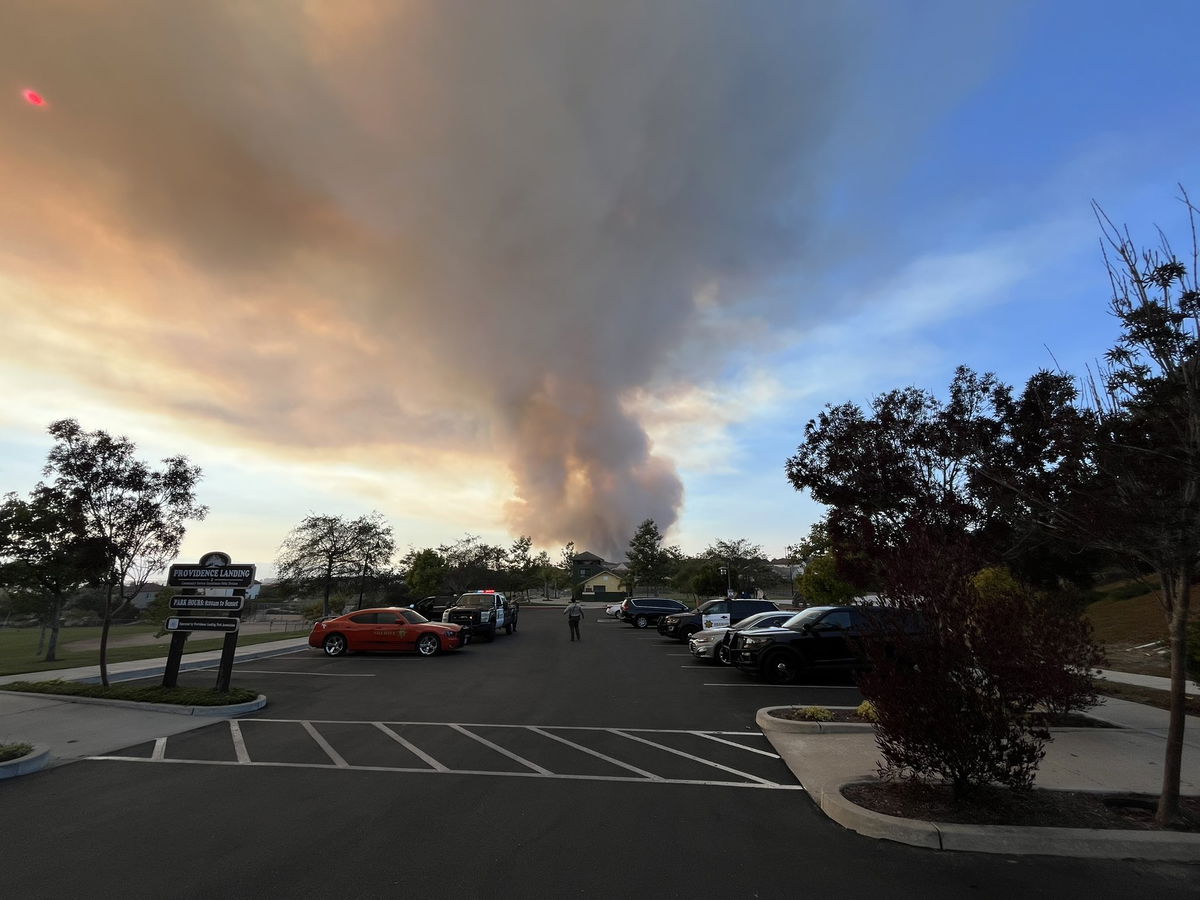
(393, 628)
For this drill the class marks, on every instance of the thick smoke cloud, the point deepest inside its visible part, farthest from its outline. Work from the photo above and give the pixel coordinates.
(412, 229)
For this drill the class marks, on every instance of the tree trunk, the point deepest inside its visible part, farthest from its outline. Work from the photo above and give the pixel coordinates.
(1177, 591)
(54, 625)
(104, 635)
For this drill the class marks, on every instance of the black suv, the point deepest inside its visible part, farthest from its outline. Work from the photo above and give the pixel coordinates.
(642, 612)
(819, 638)
(713, 614)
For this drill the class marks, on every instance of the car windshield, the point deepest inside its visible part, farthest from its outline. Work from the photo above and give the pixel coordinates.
(477, 600)
(751, 621)
(801, 619)
(414, 617)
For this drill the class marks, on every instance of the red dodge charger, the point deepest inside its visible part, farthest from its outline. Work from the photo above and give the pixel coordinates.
(393, 628)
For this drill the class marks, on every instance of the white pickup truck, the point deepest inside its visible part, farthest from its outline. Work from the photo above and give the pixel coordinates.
(483, 613)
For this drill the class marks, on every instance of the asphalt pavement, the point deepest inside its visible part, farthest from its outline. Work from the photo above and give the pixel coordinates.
(530, 766)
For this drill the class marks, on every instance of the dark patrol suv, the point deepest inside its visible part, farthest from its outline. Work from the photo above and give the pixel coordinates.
(642, 612)
(819, 638)
(713, 614)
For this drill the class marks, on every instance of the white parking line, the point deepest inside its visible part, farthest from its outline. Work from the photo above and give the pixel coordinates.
(239, 743)
(324, 745)
(616, 762)
(416, 751)
(410, 771)
(639, 775)
(712, 737)
(500, 749)
(707, 762)
(314, 674)
(844, 687)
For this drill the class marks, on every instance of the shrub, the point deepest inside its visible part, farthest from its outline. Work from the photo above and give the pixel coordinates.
(815, 714)
(9, 752)
(953, 697)
(866, 710)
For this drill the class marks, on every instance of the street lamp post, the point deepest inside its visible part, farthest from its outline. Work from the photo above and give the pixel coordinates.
(728, 592)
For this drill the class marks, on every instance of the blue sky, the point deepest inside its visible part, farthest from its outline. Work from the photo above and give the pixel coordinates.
(550, 268)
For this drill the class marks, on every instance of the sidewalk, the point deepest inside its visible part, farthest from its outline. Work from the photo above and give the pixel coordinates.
(74, 730)
(1149, 681)
(145, 668)
(1127, 759)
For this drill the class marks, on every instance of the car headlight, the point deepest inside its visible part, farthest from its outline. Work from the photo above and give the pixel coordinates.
(672, 620)
(749, 643)
(450, 633)
(703, 640)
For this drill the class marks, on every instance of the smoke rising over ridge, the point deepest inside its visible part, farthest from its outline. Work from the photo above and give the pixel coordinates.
(402, 232)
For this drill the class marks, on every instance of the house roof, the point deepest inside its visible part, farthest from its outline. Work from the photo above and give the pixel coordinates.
(588, 557)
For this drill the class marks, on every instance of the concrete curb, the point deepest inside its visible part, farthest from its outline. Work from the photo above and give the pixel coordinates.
(24, 765)
(764, 720)
(1006, 840)
(232, 710)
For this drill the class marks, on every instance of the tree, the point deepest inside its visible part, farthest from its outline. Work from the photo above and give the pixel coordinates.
(745, 563)
(519, 565)
(820, 585)
(699, 576)
(648, 559)
(1142, 501)
(545, 571)
(46, 554)
(323, 551)
(470, 563)
(135, 513)
(915, 461)
(424, 572)
(373, 548)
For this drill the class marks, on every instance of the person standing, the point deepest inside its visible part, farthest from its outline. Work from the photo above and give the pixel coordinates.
(574, 614)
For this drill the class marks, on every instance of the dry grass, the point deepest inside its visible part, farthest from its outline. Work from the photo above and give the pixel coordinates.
(1126, 621)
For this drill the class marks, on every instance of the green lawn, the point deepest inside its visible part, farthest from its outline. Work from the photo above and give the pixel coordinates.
(1130, 612)
(18, 647)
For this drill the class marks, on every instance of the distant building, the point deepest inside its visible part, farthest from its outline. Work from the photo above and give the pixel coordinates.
(605, 585)
(585, 565)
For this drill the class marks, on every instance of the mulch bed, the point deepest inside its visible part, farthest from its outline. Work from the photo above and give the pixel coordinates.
(998, 806)
(1070, 720)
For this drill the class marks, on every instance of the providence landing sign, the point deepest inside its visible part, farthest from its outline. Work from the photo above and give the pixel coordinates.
(200, 583)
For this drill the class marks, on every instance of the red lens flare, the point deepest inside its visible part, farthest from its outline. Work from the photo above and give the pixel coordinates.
(33, 98)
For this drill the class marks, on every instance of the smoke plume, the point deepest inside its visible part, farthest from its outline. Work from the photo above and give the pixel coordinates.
(417, 230)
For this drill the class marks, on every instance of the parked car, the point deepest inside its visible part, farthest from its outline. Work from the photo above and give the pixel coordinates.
(819, 638)
(713, 643)
(711, 614)
(484, 613)
(389, 628)
(613, 609)
(642, 612)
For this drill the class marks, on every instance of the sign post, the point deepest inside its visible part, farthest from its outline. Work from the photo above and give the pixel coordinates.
(215, 571)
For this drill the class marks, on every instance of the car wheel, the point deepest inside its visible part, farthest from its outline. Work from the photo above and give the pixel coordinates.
(641, 622)
(722, 656)
(782, 667)
(428, 644)
(335, 645)
(509, 628)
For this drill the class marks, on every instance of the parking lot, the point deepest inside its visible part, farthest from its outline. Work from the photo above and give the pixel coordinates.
(529, 766)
